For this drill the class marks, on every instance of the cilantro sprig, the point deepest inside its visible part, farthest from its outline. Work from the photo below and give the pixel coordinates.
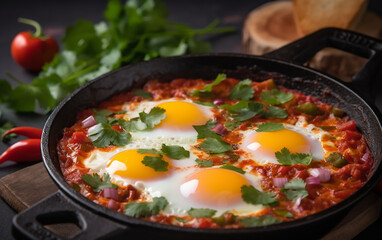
(103, 135)
(97, 183)
(242, 90)
(201, 212)
(233, 168)
(133, 31)
(284, 157)
(204, 162)
(145, 121)
(276, 97)
(253, 196)
(146, 209)
(295, 189)
(269, 127)
(206, 92)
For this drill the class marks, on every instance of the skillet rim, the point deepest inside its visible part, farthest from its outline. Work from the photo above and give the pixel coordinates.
(118, 217)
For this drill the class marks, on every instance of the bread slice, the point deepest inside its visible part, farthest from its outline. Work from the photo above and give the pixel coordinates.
(312, 15)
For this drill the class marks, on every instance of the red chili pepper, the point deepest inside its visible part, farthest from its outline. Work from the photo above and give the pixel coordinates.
(27, 150)
(33, 50)
(29, 132)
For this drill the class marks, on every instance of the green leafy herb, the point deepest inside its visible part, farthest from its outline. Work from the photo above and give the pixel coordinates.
(204, 162)
(253, 196)
(145, 121)
(175, 152)
(286, 158)
(283, 213)
(156, 163)
(5, 127)
(276, 97)
(209, 104)
(103, 135)
(225, 219)
(146, 209)
(132, 32)
(76, 187)
(269, 127)
(204, 131)
(143, 94)
(201, 212)
(206, 92)
(244, 110)
(233, 168)
(242, 90)
(295, 189)
(97, 183)
(232, 125)
(149, 151)
(214, 145)
(259, 221)
(181, 220)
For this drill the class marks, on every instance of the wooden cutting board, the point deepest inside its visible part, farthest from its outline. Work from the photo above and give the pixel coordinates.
(29, 185)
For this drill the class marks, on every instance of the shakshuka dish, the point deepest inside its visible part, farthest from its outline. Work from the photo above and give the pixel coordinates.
(222, 153)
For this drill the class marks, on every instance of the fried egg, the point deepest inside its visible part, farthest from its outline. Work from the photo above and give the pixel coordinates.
(298, 138)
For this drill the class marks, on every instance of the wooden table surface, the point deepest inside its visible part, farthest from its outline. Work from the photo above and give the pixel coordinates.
(54, 16)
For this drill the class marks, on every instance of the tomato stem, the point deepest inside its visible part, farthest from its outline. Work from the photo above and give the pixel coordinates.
(33, 23)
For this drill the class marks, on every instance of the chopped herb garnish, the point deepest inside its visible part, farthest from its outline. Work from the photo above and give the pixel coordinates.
(295, 189)
(149, 151)
(233, 168)
(204, 162)
(145, 121)
(259, 221)
(214, 145)
(97, 183)
(286, 158)
(142, 93)
(206, 92)
(225, 219)
(283, 213)
(5, 127)
(244, 110)
(146, 209)
(276, 97)
(76, 187)
(209, 104)
(175, 152)
(181, 220)
(242, 91)
(253, 196)
(232, 125)
(201, 212)
(156, 163)
(103, 135)
(269, 127)
(204, 131)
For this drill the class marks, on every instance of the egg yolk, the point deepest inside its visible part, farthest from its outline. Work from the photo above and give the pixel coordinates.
(129, 164)
(271, 142)
(214, 187)
(182, 115)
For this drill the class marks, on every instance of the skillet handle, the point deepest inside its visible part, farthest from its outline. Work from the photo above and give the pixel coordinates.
(56, 209)
(363, 81)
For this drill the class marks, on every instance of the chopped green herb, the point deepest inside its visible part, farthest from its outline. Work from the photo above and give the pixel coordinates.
(276, 97)
(146, 209)
(204, 162)
(286, 158)
(97, 183)
(149, 151)
(103, 135)
(142, 93)
(154, 117)
(225, 219)
(253, 196)
(232, 125)
(309, 108)
(76, 187)
(5, 127)
(244, 110)
(295, 189)
(233, 168)
(269, 127)
(201, 212)
(204, 131)
(175, 152)
(206, 92)
(259, 221)
(181, 220)
(156, 163)
(209, 104)
(336, 159)
(283, 213)
(243, 90)
(214, 145)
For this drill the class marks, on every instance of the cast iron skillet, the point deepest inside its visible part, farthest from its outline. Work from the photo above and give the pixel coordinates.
(95, 221)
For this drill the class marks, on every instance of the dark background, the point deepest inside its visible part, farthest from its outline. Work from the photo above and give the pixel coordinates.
(54, 16)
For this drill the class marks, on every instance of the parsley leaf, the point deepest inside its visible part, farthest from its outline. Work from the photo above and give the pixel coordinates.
(149, 151)
(156, 163)
(259, 221)
(233, 168)
(276, 97)
(204, 131)
(96, 183)
(175, 152)
(214, 145)
(253, 196)
(154, 117)
(269, 127)
(283, 213)
(145, 209)
(204, 162)
(295, 189)
(244, 110)
(5, 127)
(143, 94)
(206, 92)
(284, 157)
(242, 90)
(201, 212)
(103, 135)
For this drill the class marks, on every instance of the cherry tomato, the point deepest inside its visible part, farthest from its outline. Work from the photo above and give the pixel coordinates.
(32, 50)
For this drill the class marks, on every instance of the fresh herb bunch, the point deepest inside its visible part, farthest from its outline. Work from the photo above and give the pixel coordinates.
(133, 32)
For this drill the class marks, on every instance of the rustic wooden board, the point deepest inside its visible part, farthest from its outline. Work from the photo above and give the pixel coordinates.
(29, 185)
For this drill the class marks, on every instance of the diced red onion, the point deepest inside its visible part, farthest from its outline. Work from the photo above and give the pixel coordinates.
(111, 193)
(298, 202)
(88, 122)
(218, 101)
(91, 128)
(280, 182)
(322, 173)
(220, 129)
(112, 204)
(365, 157)
(312, 180)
